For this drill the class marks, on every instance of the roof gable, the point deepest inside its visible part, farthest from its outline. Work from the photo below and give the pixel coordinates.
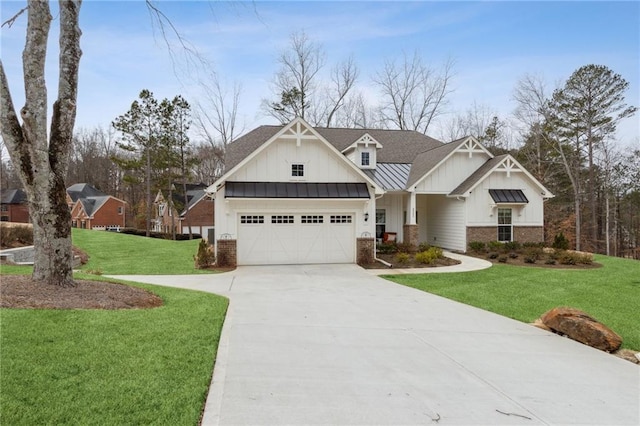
(366, 140)
(425, 163)
(297, 130)
(83, 190)
(503, 163)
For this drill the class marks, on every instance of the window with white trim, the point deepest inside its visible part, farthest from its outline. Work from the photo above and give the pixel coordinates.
(249, 219)
(341, 218)
(312, 219)
(297, 170)
(505, 225)
(281, 219)
(365, 158)
(381, 222)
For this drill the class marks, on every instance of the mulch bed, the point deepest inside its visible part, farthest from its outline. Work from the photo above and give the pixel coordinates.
(411, 263)
(20, 291)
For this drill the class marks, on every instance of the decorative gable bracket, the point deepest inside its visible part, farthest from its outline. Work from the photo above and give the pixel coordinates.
(472, 146)
(298, 132)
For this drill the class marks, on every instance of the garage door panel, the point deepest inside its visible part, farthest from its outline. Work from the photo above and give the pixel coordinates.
(315, 237)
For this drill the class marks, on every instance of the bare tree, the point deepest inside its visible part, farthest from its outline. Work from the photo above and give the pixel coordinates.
(343, 79)
(413, 94)
(216, 117)
(295, 82)
(42, 157)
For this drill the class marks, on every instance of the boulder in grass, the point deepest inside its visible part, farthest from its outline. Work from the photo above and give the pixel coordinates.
(580, 326)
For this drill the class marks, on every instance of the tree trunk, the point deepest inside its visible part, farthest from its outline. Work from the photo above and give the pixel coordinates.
(147, 178)
(41, 159)
(606, 230)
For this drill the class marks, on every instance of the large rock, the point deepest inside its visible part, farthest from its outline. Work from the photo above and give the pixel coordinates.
(579, 326)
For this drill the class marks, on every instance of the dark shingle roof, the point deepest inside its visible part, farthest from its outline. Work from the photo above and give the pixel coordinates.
(398, 146)
(13, 196)
(83, 190)
(477, 175)
(426, 161)
(92, 204)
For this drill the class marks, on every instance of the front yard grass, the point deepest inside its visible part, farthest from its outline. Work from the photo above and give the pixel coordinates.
(113, 253)
(610, 294)
(138, 366)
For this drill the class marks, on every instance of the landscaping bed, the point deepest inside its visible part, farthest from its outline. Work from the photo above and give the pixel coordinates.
(400, 255)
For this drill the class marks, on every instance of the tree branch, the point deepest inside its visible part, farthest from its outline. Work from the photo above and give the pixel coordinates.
(9, 22)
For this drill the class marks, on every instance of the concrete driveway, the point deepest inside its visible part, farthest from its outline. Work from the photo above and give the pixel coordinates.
(335, 345)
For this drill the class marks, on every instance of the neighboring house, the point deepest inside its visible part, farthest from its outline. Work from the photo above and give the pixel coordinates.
(14, 206)
(93, 209)
(196, 217)
(297, 194)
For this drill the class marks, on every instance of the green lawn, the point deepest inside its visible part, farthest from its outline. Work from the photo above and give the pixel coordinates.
(611, 294)
(112, 253)
(138, 366)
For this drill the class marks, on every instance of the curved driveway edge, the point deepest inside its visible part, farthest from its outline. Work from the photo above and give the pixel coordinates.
(332, 344)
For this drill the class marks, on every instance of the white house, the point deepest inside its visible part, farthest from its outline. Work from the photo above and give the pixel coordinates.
(298, 194)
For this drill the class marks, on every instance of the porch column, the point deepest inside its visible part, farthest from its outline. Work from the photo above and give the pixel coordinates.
(410, 229)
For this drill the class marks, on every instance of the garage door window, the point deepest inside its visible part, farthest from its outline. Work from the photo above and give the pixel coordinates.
(251, 219)
(341, 219)
(281, 219)
(312, 219)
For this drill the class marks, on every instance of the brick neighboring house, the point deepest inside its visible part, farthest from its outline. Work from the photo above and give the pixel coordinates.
(14, 206)
(93, 209)
(197, 216)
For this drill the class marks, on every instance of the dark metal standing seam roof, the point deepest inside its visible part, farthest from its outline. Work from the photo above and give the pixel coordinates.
(507, 196)
(390, 176)
(296, 190)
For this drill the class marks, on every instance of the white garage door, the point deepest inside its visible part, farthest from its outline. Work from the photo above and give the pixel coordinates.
(280, 238)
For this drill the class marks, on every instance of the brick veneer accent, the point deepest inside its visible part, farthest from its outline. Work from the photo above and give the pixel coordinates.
(226, 255)
(521, 234)
(528, 234)
(365, 248)
(410, 234)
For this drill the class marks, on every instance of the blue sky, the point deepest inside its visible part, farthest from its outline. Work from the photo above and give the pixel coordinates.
(493, 44)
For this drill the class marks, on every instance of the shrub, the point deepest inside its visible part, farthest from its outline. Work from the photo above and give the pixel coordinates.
(423, 247)
(16, 235)
(428, 257)
(205, 256)
(511, 246)
(493, 255)
(550, 261)
(568, 258)
(406, 247)
(387, 248)
(402, 258)
(495, 245)
(513, 255)
(532, 254)
(530, 244)
(477, 246)
(560, 242)
(585, 258)
(502, 259)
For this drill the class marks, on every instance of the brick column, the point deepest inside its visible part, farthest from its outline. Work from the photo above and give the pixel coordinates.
(365, 249)
(226, 254)
(410, 234)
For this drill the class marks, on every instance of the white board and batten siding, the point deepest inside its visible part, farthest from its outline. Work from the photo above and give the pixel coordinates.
(273, 164)
(479, 203)
(448, 176)
(446, 218)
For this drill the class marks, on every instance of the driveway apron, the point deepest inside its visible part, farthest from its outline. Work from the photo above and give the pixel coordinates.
(334, 345)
